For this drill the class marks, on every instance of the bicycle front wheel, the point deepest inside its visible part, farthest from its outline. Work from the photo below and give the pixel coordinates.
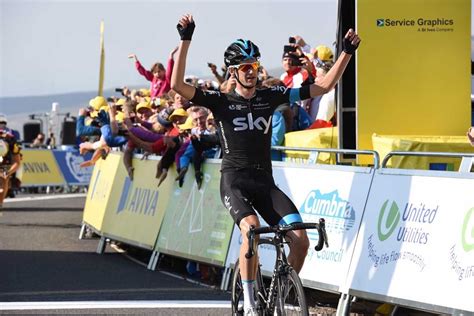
(291, 297)
(238, 292)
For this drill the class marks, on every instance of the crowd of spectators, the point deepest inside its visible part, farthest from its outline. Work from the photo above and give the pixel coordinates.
(157, 120)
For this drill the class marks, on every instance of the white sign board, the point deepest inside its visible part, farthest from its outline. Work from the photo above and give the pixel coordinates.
(417, 241)
(335, 193)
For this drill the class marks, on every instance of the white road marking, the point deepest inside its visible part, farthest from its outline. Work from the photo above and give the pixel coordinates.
(112, 304)
(49, 197)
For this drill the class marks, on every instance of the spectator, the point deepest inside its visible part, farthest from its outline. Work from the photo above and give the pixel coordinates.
(51, 141)
(196, 151)
(285, 109)
(38, 142)
(220, 79)
(159, 76)
(296, 76)
(326, 108)
(3, 126)
(88, 128)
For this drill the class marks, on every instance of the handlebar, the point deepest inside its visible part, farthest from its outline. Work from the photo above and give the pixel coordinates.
(283, 229)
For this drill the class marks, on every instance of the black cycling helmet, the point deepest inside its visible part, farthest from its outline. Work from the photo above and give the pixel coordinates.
(239, 51)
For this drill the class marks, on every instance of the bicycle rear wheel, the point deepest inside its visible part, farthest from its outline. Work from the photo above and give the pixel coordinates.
(291, 297)
(238, 293)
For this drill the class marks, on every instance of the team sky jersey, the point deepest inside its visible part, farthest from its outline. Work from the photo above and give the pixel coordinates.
(246, 124)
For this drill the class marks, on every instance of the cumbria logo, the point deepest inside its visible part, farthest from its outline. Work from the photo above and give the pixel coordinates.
(389, 217)
(380, 22)
(339, 212)
(468, 231)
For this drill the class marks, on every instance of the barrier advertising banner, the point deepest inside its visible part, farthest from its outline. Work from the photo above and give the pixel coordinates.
(40, 168)
(416, 242)
(197, 226)
(136, 208)
(413, 68)
(336, 193)
(100, 188)
(69, 164)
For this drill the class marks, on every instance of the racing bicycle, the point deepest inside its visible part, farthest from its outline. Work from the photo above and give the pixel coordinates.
(284, 295)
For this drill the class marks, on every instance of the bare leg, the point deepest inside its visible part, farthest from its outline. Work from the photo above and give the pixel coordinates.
(3, 188)
(88, 146)
(96, 156)
(127, 161)
(299, 244)
(248, 267)
(113, 121)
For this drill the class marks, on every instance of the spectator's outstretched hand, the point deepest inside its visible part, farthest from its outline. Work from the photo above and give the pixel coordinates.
(133, 56)
(186, 27)
(351, 42)
(470, 135)
(173, 52)
(299, 41)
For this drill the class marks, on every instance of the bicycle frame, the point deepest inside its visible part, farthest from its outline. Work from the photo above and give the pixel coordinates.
(280, 268)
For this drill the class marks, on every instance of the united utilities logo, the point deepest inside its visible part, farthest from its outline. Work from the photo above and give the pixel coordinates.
(137, 200)
(380, 22)
(388, 220)
(413, 223)
(339, 213)
(468, 231)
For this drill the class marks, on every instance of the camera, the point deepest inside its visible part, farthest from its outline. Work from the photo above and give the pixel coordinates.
(290, 51)
(119, 90)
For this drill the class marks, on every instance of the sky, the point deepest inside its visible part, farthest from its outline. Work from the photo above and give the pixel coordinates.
(53, 47)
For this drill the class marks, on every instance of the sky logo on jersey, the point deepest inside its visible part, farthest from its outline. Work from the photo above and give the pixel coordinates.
(137, 200)
(339, 213)
(468, 231)
(247, 123)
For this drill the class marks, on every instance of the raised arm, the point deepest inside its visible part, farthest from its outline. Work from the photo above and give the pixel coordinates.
(351, 42)
(185, 28)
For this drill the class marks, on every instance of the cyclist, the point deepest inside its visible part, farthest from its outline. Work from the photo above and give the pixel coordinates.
(10, 160)
(244, 117)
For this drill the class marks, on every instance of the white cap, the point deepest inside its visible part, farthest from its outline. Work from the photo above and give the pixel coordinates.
(3, 118)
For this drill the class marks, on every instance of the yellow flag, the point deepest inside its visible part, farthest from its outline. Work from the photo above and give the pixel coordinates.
(102, 60)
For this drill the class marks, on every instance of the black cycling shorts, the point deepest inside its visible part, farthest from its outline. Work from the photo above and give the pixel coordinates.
(245, 191)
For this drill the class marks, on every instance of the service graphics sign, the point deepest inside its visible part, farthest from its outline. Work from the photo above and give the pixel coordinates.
(417, 231)
(398, 92)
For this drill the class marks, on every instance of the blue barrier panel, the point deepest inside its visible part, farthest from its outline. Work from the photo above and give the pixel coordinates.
(69, 164)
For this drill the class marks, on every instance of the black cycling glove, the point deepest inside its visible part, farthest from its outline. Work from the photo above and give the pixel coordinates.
(348, 47)
(187, 32)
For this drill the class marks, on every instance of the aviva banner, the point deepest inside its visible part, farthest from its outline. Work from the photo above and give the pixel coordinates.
(197, 226)
(413, 68)
(40, 168)
(100, 189)
(136, 208)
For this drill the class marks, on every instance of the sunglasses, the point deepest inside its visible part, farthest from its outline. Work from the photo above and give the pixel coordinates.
(247, 66)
